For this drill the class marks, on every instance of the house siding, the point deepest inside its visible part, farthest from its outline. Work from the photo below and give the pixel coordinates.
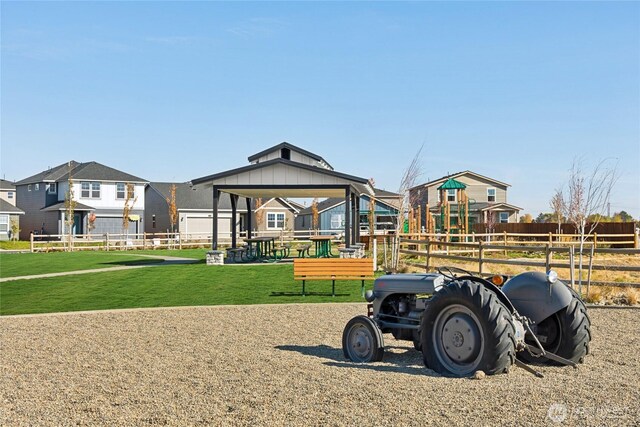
(34, 219)
(156, 204)
(275, 205)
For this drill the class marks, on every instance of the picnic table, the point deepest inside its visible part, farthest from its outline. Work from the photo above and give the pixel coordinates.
(322, 246)
(264, 246)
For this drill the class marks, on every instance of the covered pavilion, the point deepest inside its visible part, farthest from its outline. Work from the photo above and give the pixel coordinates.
(285, 170)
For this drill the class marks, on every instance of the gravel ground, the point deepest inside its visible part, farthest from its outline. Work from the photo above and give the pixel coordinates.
(283, 365)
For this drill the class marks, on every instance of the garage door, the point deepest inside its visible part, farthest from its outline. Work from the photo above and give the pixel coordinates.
(112, 225)
(204, 225)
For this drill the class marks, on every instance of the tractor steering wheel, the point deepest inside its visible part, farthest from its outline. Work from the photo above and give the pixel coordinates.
(452, 272)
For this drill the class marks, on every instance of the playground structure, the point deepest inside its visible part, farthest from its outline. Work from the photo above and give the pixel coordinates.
(442, 220)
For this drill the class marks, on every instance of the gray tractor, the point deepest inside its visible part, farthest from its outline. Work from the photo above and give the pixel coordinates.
(464, 323)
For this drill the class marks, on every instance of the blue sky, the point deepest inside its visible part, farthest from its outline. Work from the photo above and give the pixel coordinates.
(175, 91)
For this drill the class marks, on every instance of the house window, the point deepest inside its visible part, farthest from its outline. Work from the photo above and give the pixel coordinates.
(491, 194)
(337, 221)
(52, 188)
(29, 187)
(275, 220)
(504, 216)
(120, 189)
(36, 187)
(451, 195)
(85, 190)
(153, 221)
(95, 190)
(4, 223)
(10, 195)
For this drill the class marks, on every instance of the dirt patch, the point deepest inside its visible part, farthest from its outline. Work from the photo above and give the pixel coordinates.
(283, 365)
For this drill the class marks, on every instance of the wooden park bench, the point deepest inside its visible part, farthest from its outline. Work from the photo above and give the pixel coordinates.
(332, 269)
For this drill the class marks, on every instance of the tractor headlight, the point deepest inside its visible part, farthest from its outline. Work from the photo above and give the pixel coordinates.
(552, 276)
(369, 296)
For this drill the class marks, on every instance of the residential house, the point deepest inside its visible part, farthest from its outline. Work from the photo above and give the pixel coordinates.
(331, 213)
(195, 211)
(9, 213)
(99, 191)
(487, 198)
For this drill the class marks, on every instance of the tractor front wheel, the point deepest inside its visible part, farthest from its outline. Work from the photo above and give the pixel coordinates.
(362, 340)
(466, 328)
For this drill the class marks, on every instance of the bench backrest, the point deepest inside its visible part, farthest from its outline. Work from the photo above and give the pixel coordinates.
(333, 267)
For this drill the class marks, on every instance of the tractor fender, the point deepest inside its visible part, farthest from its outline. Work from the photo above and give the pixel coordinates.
(533, 296)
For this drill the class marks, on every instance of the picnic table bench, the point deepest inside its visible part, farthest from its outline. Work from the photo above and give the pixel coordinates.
(332, 269)
(304, 249)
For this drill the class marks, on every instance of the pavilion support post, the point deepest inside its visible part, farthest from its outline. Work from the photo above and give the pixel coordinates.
(356, 227)
(214, 237)
(234, 220)
(249, 217)
(347, 217)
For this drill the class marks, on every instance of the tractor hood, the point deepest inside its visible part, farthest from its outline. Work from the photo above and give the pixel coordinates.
(407, 283)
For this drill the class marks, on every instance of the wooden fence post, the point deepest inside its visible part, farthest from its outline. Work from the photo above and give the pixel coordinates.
(179, 240)
(144, 240)
(550, 238)
(595, 239)
(426, 267)
(106, 241)
(480, 260)
(547, 258)
(31, 242)
(571, 265)
(505, 242)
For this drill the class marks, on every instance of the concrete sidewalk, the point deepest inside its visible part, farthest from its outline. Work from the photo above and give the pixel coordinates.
(167, 260)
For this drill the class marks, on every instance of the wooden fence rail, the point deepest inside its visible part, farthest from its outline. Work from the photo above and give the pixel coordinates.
(477, 253)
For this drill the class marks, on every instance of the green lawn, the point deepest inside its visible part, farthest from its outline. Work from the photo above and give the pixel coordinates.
(165, 286)
(14, 245)
(12, 265)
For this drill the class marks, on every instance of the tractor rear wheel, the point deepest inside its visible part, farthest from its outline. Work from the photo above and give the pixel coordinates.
(466, 328)
(362, 340)
(566, 333)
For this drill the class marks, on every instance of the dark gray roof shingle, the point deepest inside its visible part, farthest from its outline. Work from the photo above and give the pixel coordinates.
(8, 208)
(81, 171)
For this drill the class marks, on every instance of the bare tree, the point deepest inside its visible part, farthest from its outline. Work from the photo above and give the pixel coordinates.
(587, 196)
(259, 213)
(315, 215)
(91, 222)
(129, 201)
(173, 210)
(490, 224)
(558, 205)
(409, 178)
(70, 204)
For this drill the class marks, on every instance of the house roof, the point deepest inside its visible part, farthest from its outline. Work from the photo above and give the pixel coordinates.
(385, 194)
(8, 208)
(188, 198)
(6, 185)
(292, 147)
(332, 202)
(81, 171)
(458, 174)
(61, 207)
(323, 205)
